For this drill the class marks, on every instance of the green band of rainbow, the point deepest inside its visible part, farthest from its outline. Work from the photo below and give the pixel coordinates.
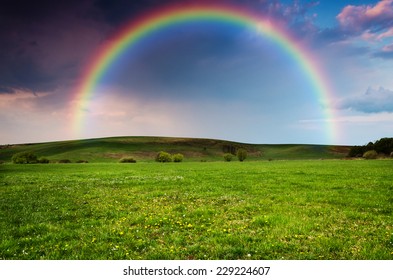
(146, 25)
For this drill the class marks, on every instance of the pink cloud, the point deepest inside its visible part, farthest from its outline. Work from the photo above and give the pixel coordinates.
(388, 48)
(370, 23)
(357, 18)
(372, 36)
(386, 34)
(383, 8)
(369, 36)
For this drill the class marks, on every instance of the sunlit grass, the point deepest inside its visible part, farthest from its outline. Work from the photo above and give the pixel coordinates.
(251, 210)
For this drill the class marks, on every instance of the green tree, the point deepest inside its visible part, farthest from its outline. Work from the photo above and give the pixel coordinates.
(241, 154)
(24, 157)
(178, 157)
(163, 157)
(228, 157)
(384, 145)
(357, 151)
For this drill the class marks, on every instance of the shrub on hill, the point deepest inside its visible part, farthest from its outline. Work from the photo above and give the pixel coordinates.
(178, 157)
(82, 161)
(370, 154)
(43, 160)
(24, 158)
(163, 157)
(241, 154)
(64, 161)
(127, 160)
(228, 157)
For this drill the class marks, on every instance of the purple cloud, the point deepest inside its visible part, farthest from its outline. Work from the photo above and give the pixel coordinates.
(6, 90)
(45, 43)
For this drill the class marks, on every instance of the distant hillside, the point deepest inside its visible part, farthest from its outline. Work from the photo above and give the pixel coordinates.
(145, 149)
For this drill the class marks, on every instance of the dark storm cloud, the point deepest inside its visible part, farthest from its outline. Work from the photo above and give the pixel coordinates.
(119, 11)
(42, 42)
(29, 10)
(123, 10)
(6, 90)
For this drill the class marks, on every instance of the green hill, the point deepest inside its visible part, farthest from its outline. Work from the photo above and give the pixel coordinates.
(145, 148)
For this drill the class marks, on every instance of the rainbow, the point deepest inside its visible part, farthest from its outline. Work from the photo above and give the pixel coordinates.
(152, 22)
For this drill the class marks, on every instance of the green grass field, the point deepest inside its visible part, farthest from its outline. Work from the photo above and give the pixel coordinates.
(301, 209)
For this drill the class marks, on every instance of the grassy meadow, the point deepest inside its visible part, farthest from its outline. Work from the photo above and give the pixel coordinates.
(299, 209)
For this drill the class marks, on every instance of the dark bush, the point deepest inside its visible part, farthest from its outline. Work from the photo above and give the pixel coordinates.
(127, 160)
(82, 161)
(241, 154)
(357, 151)
(163, 157)
(24, 157)
(64, 161)
(228, 157)
(178, 157)
(43, 160)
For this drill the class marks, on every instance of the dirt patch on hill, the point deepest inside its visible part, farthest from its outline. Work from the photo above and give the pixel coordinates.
(137, 155)
(339, 150)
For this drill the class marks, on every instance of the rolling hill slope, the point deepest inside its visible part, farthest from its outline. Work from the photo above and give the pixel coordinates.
(145, 148)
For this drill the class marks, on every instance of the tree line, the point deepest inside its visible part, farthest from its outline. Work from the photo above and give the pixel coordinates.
(383, 146)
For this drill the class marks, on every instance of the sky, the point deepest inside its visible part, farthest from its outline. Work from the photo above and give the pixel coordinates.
(199, 79)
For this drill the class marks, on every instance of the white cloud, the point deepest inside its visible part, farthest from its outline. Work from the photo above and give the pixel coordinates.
(24, 118)
(372, 101)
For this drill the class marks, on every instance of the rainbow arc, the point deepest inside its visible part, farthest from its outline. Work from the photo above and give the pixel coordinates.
(150, 23)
